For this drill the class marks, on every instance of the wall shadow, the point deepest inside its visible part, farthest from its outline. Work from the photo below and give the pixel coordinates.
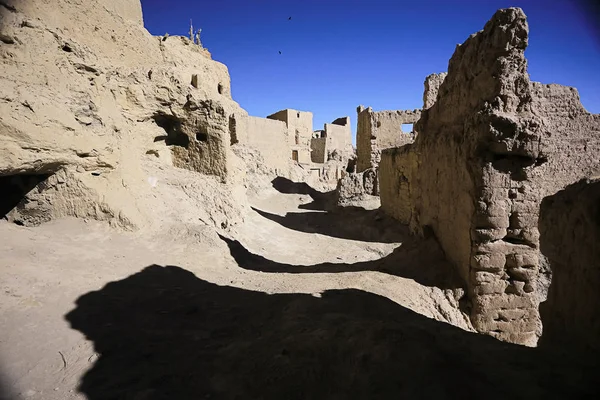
(418, 259)
(4, 391)
(351, 223)
(165, 334)
(569, 227)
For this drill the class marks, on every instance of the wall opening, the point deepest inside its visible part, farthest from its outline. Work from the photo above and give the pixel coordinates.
(407, 128)
(295, 155)
(14, 188)
(298, 115)
(172, 126)
(351, 167)
(202, 136)
(220, 88)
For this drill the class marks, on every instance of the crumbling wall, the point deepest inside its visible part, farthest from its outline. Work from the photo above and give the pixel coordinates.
(569, 236)
(270, 138)
(488, 150)
(432, 86)
(378, 130)
(358, 189)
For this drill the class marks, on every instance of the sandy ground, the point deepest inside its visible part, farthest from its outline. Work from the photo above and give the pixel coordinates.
(297, 303)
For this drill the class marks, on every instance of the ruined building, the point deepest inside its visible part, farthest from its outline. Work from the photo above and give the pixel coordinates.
(299, 125)
(286, 138)
(269, 137)
(335, 137)
(118, 125)
(490, 148)
(378, 130)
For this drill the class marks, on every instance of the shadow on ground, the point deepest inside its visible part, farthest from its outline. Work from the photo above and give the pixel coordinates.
(419, 259)
(351, 223)
(165, 334)
(321, 200)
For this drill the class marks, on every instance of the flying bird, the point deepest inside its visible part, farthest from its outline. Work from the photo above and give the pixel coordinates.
(290, 18)
(279, 52)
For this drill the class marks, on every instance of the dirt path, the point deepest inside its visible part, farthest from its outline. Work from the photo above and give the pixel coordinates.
(299, 303)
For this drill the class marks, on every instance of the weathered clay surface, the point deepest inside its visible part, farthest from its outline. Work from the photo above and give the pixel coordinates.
(358, 189)
(378, 130)
(333, 142)
(489, 149)
(299, 126)
(569, 236)
(432, 86)
(397, 169)
(87, 94)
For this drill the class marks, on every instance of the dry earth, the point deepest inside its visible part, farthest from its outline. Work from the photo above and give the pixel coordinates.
(300, 303)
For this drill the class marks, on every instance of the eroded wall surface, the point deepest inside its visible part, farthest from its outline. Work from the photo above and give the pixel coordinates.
(354, 188)
(378, 130)
(569, 237)
(432, 86)
(397, 169)
(488, 150)
(89, 95)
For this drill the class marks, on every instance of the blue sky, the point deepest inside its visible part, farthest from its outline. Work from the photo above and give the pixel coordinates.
(337, 54)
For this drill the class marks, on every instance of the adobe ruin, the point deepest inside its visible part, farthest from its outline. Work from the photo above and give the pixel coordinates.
(335, 137)
(100, 121)
(299, 126)
(378, 130)
(432, 87)
(490, 148)
(103, 130)
(269, 137)
(286, 139)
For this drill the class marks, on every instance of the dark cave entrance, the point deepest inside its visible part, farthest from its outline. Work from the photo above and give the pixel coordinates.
(14, 188)
(172, 126)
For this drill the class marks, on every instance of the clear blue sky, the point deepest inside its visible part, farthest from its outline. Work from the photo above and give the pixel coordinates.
(337, 54)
